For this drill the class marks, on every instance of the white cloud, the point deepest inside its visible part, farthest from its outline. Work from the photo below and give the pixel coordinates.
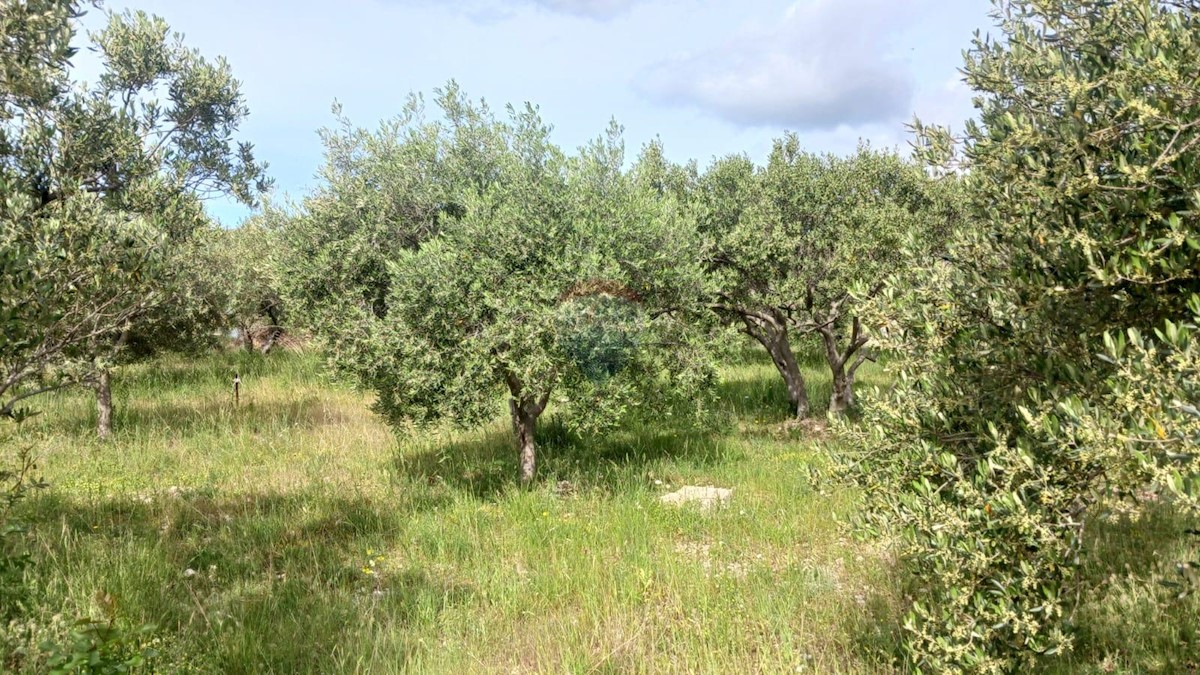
(826, 63)
(491, 11)
(597, 9)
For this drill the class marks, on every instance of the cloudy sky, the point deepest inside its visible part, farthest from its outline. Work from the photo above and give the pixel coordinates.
(710, 77)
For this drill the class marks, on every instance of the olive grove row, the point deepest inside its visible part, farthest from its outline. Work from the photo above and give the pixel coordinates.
(1035, 284)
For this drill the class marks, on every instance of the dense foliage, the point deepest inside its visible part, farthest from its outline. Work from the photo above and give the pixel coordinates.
(102, 186)
(1049, 375)
(1035, 286)
(446, 262)
(243, 265)
(786, 244)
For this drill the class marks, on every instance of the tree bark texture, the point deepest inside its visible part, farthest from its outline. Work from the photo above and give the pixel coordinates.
(843, 364)
(525, 409)
(524, 427)
(247, 339)
(104, 406)
(773, 336)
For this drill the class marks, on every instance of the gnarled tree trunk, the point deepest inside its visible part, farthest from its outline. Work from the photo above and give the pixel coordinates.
(843, 363)
(524, 426)
(525, 410)
(104, 406)
(276, 329)
(772, 333)
(273, 336)
(841, 398)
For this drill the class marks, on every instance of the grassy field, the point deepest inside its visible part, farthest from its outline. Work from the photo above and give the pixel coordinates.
(297, 533)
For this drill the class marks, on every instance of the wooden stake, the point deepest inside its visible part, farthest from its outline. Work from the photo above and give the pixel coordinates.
(237, 381)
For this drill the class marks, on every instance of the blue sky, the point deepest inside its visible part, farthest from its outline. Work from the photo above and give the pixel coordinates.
(710, 77)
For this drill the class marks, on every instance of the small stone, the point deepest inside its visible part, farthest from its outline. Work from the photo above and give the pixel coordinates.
(706, 497)
(189, 572)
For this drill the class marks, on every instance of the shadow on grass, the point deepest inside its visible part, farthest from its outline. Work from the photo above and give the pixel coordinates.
(187, 394)
(250, 582)
(756, 392)
(762, 398)
(181, 373)
(486, 466)
(1133, 616)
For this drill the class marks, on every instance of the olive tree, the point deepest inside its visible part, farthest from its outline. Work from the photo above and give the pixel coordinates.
(103, 183)
(653, 171)
(379, 192)
(787, 244)
(1049, 369)
(67, 261)
(242, 264)
(66, 272)
(513, 270)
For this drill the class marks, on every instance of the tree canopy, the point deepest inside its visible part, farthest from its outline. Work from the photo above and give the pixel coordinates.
(103, 184)
(1035, 285)
(510, 267)
(788, 243)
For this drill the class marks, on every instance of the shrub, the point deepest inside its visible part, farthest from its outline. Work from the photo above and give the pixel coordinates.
(1048, 371)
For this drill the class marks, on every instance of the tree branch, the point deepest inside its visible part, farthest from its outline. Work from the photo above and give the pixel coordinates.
(7, 410)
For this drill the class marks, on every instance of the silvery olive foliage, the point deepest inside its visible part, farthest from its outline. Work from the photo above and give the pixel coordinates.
(787, 243)
(448, 261)
(102, 185)
(241, 264)
(1047, 370)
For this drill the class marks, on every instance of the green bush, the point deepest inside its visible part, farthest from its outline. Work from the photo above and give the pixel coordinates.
(1047, 370)
(15, 485)
(101, 647)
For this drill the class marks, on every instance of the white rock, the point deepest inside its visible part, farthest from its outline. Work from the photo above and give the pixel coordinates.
(703, 497)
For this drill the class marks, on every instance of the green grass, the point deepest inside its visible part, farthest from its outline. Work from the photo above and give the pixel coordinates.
(322, 541)
(1134, 622)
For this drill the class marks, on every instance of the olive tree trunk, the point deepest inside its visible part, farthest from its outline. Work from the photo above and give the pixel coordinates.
(524, 427)
(841, 398)
(525, 410)
(772, 334)
(276, 329)
(104, 406)
(247, 339)
(272, 337)
(843, 363)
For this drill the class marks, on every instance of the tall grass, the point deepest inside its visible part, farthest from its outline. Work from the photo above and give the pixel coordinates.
(296, 533)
